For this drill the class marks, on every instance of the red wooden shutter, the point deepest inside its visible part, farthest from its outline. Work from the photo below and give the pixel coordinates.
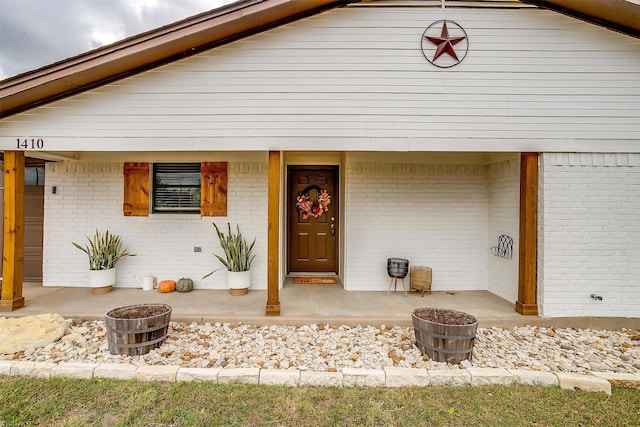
(136, 189)
(213, 189)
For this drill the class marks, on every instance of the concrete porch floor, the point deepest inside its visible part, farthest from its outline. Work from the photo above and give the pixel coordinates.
(300, 304)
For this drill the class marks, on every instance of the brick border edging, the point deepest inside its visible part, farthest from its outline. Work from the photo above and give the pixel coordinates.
(389, 377)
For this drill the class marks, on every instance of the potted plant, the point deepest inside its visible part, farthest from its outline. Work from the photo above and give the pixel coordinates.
(238, 256)
(104, 251)
(444, 335)
(135, 330)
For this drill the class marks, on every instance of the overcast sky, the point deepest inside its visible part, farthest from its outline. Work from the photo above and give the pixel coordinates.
(34, 33)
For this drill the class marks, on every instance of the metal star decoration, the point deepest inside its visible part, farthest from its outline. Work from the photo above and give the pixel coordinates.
(445, 43)
(440, 38)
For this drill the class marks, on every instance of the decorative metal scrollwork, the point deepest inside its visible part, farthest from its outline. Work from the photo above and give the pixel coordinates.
(504, 248)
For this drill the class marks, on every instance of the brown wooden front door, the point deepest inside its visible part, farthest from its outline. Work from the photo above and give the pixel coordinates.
(33, 232)
(312, 237)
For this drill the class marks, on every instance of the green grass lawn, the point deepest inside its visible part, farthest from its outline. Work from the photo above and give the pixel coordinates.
(63, 402)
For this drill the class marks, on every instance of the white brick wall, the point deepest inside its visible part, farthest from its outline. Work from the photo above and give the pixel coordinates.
(90, 196)
(589, 234)
(504, 218)
(433, 215)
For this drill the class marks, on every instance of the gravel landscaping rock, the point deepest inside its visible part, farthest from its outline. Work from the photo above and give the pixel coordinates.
(330, 348)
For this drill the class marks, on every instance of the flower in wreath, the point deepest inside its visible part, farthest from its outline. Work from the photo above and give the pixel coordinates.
(313, 208)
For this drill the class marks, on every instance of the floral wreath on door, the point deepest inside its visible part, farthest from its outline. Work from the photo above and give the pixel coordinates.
(314, 208)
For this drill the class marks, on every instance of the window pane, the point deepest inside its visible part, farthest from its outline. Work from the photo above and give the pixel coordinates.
(176, 187)
(34, 175)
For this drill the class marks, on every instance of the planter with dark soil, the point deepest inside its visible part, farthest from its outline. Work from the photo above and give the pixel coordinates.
(135, 330)
(444, 335)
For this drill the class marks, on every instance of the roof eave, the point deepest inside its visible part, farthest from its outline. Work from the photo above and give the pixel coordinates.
(618, 15)
(151, 49)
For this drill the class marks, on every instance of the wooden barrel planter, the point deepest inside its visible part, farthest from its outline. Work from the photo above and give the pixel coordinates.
(135, 330)
(444, 335)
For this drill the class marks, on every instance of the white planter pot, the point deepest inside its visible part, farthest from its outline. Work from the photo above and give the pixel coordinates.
(101, 281)
(239, 282)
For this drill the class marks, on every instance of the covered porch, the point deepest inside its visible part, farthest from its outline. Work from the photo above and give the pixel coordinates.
(301, 304)
(13, 297)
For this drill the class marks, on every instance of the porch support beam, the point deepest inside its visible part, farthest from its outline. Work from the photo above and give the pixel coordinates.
(13, 244)
(527, 286)
(273, 235)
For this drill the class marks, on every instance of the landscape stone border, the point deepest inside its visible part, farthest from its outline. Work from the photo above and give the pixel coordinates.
(349, 377)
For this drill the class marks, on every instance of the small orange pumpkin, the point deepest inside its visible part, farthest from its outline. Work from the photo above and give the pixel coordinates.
(166, 286)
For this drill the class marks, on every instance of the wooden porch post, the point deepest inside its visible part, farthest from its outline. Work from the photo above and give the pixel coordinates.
(273, 235)
(13, 246)
(527, 288)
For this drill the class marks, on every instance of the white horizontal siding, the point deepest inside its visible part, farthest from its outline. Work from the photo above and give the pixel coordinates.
(354, 78)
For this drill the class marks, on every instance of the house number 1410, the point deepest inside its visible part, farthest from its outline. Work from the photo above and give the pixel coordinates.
(30, 143)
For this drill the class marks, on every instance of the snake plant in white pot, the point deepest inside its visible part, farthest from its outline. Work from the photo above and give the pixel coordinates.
(104, 251)
(238, 256)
